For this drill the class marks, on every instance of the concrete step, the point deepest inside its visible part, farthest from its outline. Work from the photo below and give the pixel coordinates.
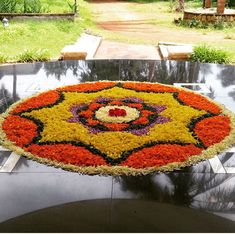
(85, 48)
(72, 52)
(118, 50)
(175, 51)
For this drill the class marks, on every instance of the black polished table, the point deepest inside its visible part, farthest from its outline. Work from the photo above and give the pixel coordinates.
(39, 198)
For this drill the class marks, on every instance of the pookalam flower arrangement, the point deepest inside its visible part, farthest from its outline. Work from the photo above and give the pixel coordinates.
(115, 128)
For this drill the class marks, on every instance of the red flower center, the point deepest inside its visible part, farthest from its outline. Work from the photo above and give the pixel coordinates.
(117, 112)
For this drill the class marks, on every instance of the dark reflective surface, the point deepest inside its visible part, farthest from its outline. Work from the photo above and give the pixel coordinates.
(205, 187)
(129, 216)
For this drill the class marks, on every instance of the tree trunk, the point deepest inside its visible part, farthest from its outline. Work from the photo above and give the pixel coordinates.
(180, 7)
(208, 3)
(75, 7)
(220, 6)
(25, 6)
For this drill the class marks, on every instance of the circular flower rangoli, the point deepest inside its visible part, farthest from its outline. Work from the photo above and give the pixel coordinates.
(118, 128)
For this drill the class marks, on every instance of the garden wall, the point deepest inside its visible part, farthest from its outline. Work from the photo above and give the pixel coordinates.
(37, 16)
(208, 17)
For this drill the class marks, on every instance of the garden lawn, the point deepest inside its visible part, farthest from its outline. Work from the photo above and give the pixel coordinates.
(164, 15)
(156, 24)
(153, 22)
(52, 35)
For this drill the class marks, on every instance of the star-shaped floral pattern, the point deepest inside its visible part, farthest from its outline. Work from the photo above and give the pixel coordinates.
(118, 128)
(57, 128)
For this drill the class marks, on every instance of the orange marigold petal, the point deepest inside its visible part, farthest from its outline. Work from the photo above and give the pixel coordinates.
(150, 87)
(160, 155)
(41, 100)
(136, 105)
(146, 113)
(19, 130)
(92, 122)
(67, 154)
(117, 126)
(94, 106)
(88, 86)
(87, 113)
(118, 103)
(198, 101)
(213, 130)
(141, 120)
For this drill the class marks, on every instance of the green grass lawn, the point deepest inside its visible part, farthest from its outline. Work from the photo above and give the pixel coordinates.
(164, 14)
(52, 35)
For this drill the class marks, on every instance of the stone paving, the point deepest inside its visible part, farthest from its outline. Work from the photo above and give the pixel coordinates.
(117, 50)
(90, 47)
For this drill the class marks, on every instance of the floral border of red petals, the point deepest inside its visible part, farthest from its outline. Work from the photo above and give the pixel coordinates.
(116, 128)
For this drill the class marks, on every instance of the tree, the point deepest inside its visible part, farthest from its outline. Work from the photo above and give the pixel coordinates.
(180, 7)
(75, 7)
(220, 6)
(207, 3)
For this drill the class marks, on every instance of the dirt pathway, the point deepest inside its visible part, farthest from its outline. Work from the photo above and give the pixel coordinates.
(106, 11)
(117, 17)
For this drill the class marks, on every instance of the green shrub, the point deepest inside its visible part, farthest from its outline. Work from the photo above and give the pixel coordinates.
(195, 23)
(73, 7)
(33, 56)
(220, 24)
(33, 6)
(3, 58)
(22, 6)
(207, 54)
(8, 6)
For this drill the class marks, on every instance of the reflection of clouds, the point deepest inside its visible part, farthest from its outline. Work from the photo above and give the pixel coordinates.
(232, 93)
(227, 78)
(228, 102)
(215, 80)
(164, 182)
(212, 93)
(26, 192)
(227, 75)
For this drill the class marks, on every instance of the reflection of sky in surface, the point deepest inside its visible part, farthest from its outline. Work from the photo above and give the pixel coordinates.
(31, 84)
(26, 192)
(213, 80)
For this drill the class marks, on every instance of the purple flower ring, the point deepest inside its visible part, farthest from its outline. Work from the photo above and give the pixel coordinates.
(139, 116)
